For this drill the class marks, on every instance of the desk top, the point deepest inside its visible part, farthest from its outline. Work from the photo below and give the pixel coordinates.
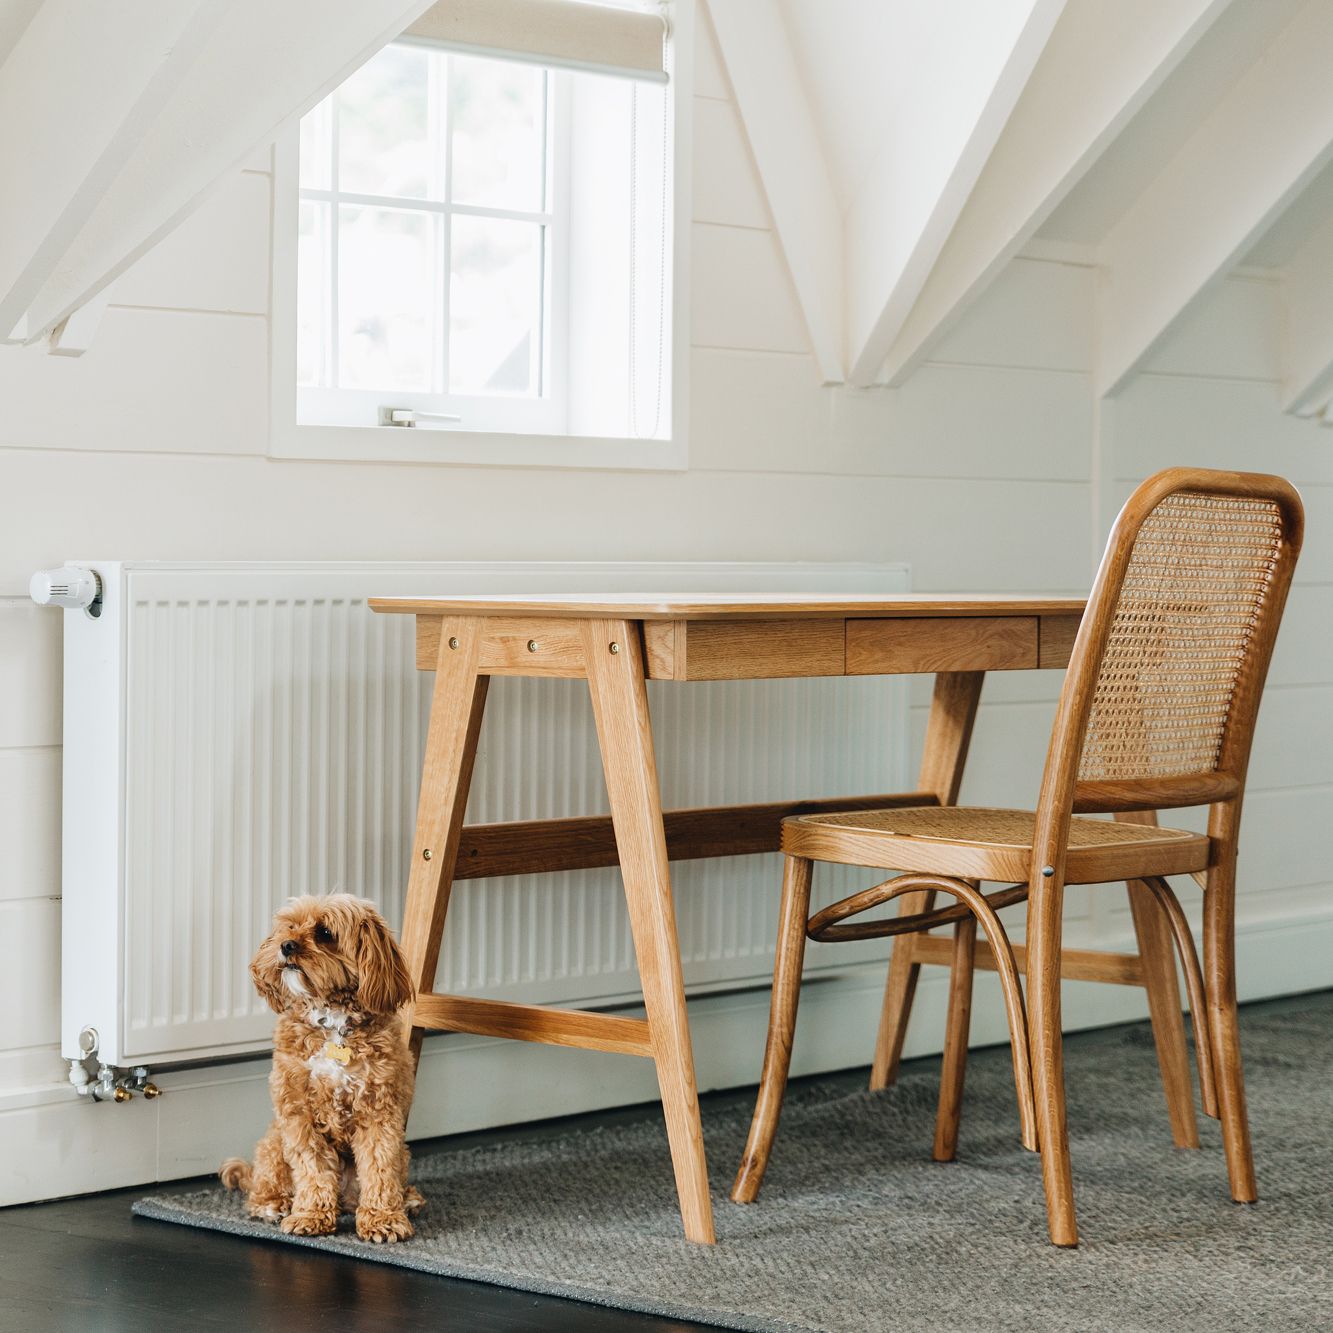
(733, 606)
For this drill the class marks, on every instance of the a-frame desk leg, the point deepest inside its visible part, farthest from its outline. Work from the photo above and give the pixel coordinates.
(446, 775)
(613, 660)
(953, 712)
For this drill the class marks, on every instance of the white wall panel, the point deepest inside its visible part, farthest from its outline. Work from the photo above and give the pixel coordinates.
(1035, 314)
(977, 423)
(217, 259)
(1293, 745)
(1215, 423)
(1036, 534)
(30, 823)
(187, 383)
(763, 412)
(742, 291)
(710, 78)
(1304, 651)
(30, 977)
(726, 183)
(30, 680)
(1234, 331)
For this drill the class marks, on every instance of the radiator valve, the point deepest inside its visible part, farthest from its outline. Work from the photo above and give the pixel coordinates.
(109, 1084)
(69, 586)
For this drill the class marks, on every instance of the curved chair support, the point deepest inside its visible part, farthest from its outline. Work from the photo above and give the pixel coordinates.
(823, 926)
(1189, 961)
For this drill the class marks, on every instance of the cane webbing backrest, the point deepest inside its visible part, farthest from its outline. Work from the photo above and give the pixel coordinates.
(1200, 570)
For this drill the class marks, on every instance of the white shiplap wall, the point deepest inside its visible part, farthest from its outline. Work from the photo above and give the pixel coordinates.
(992, 469)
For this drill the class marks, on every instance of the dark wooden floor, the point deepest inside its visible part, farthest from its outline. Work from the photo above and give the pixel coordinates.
(87, 1265)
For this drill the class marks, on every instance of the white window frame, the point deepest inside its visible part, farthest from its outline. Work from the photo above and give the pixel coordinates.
(532, 414)
(290, 439)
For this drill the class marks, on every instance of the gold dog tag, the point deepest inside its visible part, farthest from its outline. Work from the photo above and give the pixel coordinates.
(342, 1054)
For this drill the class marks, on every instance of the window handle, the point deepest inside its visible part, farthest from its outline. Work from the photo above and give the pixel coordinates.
(409, 416)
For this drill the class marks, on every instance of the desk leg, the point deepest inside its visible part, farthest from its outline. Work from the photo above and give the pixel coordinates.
(953, 711)
(457, 703)
(613, 658)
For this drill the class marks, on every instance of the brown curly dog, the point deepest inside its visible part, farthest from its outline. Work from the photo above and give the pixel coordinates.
(342, 1076)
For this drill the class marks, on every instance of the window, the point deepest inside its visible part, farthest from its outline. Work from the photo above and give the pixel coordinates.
(429, 245)
(484, 253)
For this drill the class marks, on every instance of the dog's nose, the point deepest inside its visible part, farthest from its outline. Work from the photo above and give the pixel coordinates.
(288, 948)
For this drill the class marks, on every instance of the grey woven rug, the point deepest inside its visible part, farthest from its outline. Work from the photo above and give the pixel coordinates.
(858, 1230)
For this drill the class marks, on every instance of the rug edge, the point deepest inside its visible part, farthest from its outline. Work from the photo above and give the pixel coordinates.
(159, 1209)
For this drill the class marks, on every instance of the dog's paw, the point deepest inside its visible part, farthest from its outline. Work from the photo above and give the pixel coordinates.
(382, 1227)
(413, 1203)
(311, 1224)
(270, 1210)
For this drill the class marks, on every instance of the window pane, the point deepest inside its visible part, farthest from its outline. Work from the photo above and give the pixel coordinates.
(312, 294)
(495, 291)
(384, 125)
(386, 276)
(498, 114)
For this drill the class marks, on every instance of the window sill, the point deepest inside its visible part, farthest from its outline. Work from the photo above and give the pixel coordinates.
(394, 444)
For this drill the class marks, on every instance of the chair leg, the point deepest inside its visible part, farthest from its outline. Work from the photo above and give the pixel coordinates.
(959, 1020)
(899, 991)
(1189, 963)
(794, 913)
(1045, 921)
(1153, 931)
(1219, 965)
(1168, 1023)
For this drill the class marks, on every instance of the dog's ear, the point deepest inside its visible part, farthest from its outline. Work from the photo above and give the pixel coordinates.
(266, 972)
(383, 983)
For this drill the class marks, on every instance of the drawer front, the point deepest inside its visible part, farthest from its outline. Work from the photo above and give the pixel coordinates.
(944, 643)
(743, 650)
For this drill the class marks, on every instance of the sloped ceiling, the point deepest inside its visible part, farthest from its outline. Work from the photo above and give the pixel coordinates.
(908, 150)
(1231, 113)
(119, 119)
(1236, 39)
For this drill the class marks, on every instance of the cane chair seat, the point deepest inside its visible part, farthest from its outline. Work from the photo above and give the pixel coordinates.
(983, 843)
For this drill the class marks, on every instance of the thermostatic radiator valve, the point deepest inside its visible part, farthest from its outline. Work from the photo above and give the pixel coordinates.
(69, 586)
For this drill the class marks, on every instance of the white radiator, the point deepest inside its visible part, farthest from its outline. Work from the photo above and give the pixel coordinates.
(236, 734)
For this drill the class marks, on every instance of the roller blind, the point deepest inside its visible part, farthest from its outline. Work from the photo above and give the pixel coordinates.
(571, 33)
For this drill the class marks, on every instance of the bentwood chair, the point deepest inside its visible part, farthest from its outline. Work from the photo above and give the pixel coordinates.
(1157, 712)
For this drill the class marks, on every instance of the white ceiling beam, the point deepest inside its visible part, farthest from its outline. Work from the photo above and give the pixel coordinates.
(264, 65)
(1307, 297)
(780, 126)
(1261, 145)
(74, 335)
(915, 190)
(80, 87)
(1102, 63)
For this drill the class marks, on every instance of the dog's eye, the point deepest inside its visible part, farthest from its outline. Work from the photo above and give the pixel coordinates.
(323, 935)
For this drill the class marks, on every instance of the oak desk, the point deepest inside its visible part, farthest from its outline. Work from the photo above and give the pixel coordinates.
(615, 643)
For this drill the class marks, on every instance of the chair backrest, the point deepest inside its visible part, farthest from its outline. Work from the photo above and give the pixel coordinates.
(1159, 704)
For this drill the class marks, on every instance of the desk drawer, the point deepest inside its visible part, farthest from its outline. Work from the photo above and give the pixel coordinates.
(743, 649)
(944, 643)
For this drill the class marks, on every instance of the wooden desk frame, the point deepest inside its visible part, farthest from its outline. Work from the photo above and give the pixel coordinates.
(616, 645)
